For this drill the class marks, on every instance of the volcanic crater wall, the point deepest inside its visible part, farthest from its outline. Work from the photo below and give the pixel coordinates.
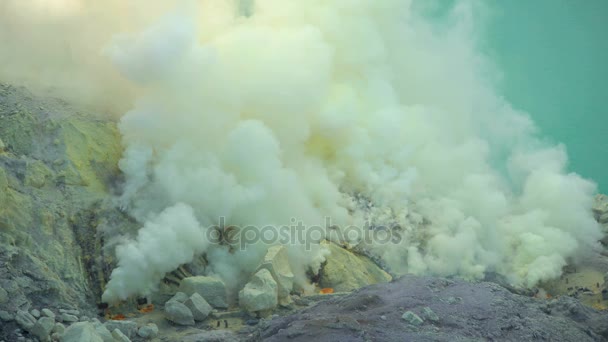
(57, 166)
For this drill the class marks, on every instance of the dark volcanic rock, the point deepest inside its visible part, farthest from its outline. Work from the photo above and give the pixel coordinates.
(486, 312)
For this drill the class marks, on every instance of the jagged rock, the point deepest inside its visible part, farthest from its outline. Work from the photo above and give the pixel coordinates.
(149, 330)
(199, 307)
(600, 205)
(103, 332)
(68, 318)
(127, 327)
(6, 316)
(429, 314)
(346, 271)
(260, 294)
(179, 297)
(178, 313)
(25, 320)
(80, 332)
(212, 289)
(412, 318)
(43, 328)
(276, 261)
(119, 336)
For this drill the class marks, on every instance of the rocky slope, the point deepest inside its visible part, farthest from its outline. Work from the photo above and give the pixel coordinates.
(57, 166)
(436, 309)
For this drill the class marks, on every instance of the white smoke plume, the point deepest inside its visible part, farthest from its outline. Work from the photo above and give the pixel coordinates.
(267, 110)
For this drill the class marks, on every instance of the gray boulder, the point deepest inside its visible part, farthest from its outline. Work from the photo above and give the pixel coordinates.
(65, 317)
(429, 314)
(126, 327)
(260, 294)
(179, 297)
(48, 313)
(103, 332)
(149, 330)
(199, 307)
(25, 320)
(119, 336)
(43, 328)
(212, 289)
(412, 318)
(80, 332)
(35, 313)
(178, 313)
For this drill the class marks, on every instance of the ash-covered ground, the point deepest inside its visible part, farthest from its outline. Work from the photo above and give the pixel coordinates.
(437, 309)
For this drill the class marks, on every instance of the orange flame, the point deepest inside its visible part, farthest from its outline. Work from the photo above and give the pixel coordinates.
(326, 290)
(147, 308)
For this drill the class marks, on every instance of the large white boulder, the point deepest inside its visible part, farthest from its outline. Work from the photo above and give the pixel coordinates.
(276, 261)
(260, 294)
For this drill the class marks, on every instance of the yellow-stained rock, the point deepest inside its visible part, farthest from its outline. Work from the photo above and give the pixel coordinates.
(55, 169)
(37, 174)
(346, 271)
(93, 148)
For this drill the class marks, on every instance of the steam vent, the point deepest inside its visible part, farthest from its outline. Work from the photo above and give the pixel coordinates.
(272, 170)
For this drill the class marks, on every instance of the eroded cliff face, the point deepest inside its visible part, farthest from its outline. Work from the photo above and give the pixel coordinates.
(57, 166)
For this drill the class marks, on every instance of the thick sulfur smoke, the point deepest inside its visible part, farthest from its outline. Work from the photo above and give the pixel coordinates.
(268, 110)
(54, 47)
